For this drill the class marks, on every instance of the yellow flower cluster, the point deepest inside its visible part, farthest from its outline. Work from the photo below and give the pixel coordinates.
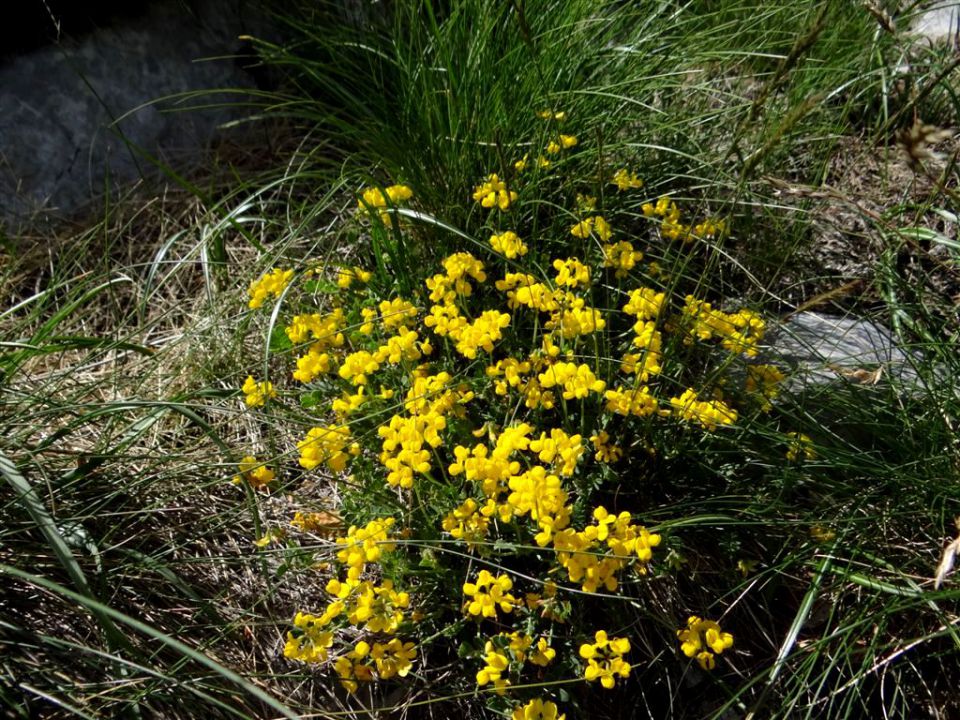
(763, 381)
(537, 709)
(493, 192)
(406, 440)
(527, 474)
(365, 662)
(701, 639)
(605, 660)
(580, 554)
(672, 228)
(308, 641)
(508, 652)
(445, 319)
(470, 521)
(739, 332)
(625, 180)
(508, 244)
(363, 545)
(347, 276)
(332, 445)
(325, 333)
(273, 283)
(595, 224)
(800, 446)
(571, 272)
(397, 313)
(487, 594)
(576, 381)
(622, 257)
(708, 413)
(606, 452)
(257, 393)
(254, 472)
(373, 200)
(377, 609)
(563, 142)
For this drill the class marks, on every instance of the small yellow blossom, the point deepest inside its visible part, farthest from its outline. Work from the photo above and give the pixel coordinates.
(394, 658)
(373, 200)
(558, 115)
(347, 276)
(571, 272)
(702, 639)
(308, 642)
(709, 413)
(489, 593)
(352, 668)
(801, 446)
(595, 224)
(273, 283)
(508, 245)
(257, 393)
(625, 180)
(255, 473)
(606, 452)
(493, 192)
(605, 659)
(621, 257)
(331, 445)
(537, 709)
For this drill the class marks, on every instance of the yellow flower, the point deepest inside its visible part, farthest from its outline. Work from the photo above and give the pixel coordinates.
(596, 224)
(605, 451)
(701, 639)
(800, 446)
(347, 276)
(255, 473)
(273, 283)
(621, 257)
(331, 445)
(308, 642)
(494, 193)
(577, 381)
(571, 272)
(497, 663)
(467, 523)
(625, 180)
(311, 365)
(257, 392)
(558, 115)
(605, 659)
(352, 668)
(489, 593)
(537, 709)
(395, 658)
(324, 330)
(374, 200)
(543, 654)
(508, 245)
(709, 414)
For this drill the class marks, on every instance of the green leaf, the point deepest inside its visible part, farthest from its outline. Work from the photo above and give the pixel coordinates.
(279, 342)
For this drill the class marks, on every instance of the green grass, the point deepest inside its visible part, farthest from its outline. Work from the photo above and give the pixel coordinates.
(133, 587)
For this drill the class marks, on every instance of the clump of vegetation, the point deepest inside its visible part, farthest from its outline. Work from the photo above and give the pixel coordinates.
(475, 406)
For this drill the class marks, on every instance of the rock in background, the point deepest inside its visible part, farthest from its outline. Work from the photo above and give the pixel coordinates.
(83, 114)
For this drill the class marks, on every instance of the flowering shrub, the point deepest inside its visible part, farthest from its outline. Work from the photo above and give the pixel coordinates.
(489, 419)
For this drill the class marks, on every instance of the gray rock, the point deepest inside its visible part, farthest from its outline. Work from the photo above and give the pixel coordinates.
(72, 115)
(824, 348)
(938, 21)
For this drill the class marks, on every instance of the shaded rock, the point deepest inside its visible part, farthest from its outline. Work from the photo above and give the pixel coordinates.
(75, 114)
(823, 348)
